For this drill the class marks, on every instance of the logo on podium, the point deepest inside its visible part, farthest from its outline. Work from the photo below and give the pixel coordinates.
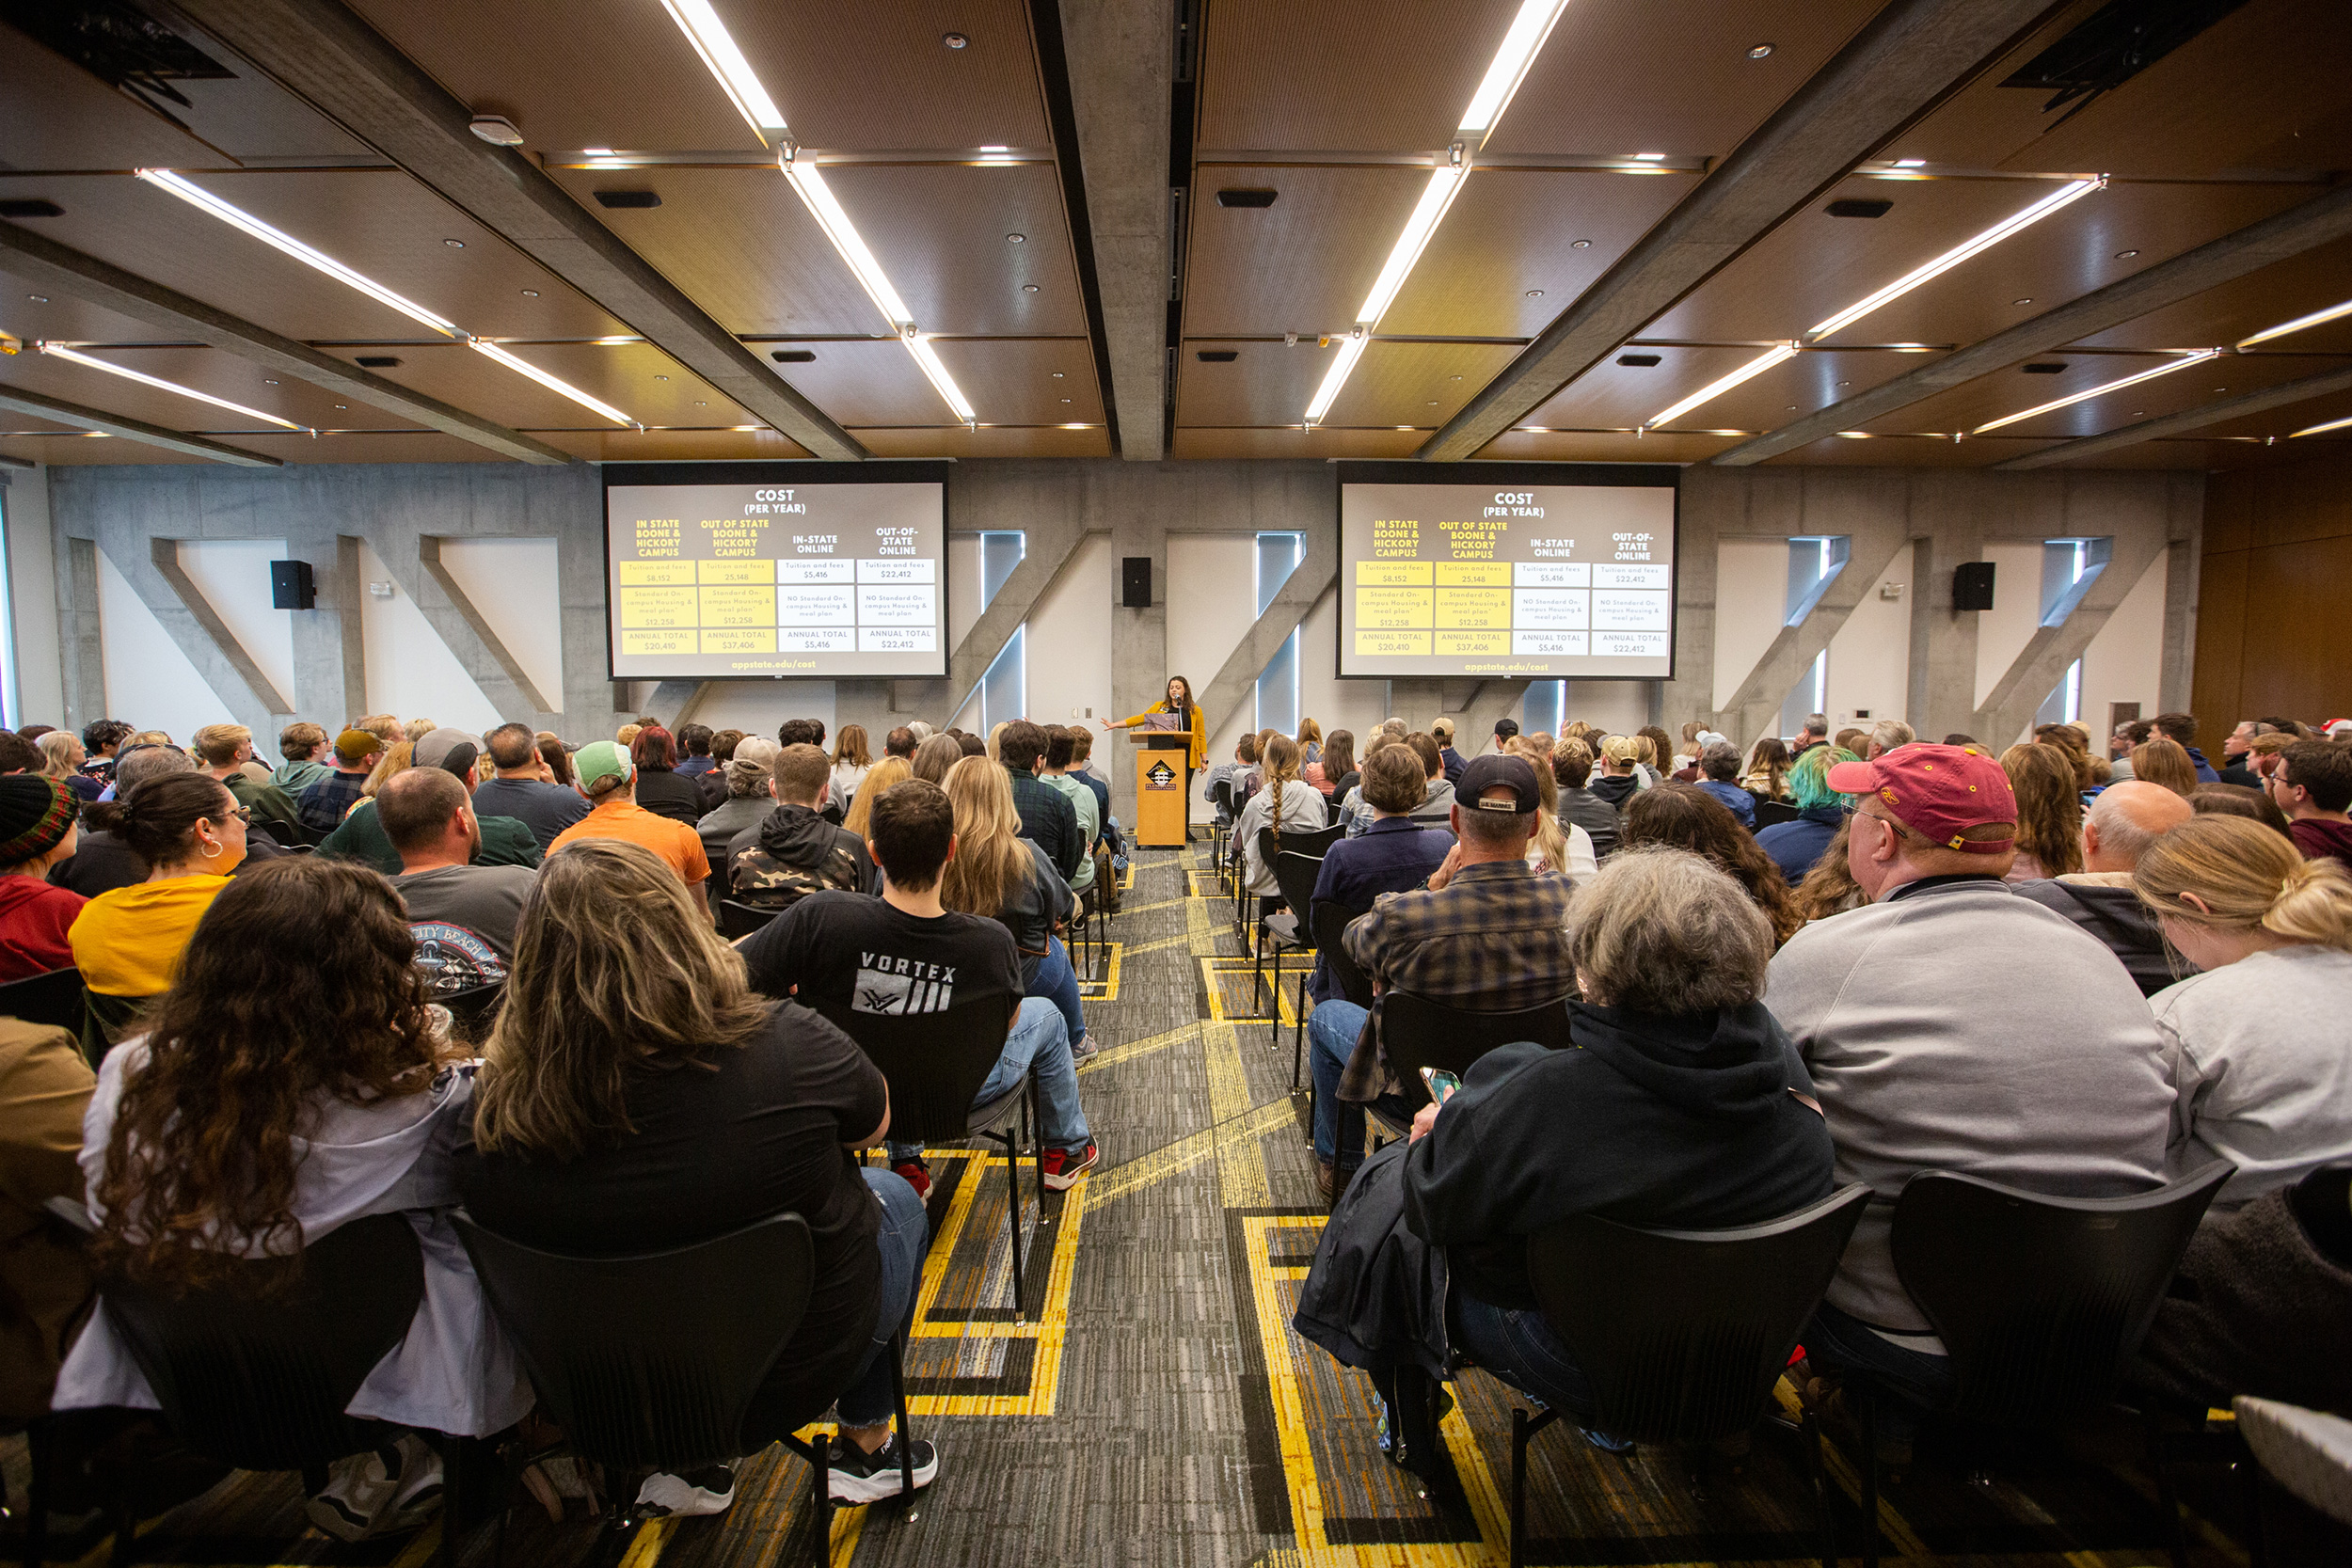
(1160, 776)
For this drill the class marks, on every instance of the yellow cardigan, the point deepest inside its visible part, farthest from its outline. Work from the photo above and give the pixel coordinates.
(1198, 753)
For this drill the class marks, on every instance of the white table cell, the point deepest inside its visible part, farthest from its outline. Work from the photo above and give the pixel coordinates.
(815, 640)
(885, 569)
(1623, 611)
(897, 607)
(815, 571)
(1549, 644)
(1551, 608)
(815, 606)
(895, 640)
(1552, 574)
(1628, 575)
(1629, 644)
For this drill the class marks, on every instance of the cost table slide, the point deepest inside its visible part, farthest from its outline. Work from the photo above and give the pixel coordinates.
(781, 579)
(1513, 580)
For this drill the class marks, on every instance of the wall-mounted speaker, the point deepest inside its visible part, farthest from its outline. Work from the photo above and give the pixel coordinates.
(291, 585)
(1134, 581)
(1972, 585)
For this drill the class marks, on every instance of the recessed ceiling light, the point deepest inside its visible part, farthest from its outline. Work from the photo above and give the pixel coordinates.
(2125, 254)
(158, 382)
(2180, 362)
(1792, 409)
(1453, 378)
(1579, 244)
(1759, 51)
(531, 293)
(343, 406)
(701, 403)
(1017, 239)
(1028, 288)
(1058, 375)
(1845, 384)
(455, 244)
(37, 299)
(2065, 196)
(661, 378)
(1534, 294)
(743, 427)
(269, 381)
(725, 61)
(2025, 300)
(1431, 403)
(1066, 400)
(2221, 388)
(955, 40)
(1509, 67)
(2138, 412)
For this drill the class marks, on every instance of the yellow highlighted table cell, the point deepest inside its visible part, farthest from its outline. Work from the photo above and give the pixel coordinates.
(739, 606)
(657, 607)
(1475, 609)
(760, 640)
(679, 641)
(1392, 643)
(1465, 573)
(656, 574)
(712, 572)
(1378, 608)
(1393, 574)
(1474, 642)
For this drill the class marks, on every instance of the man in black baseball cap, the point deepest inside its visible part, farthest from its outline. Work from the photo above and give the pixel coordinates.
(1487, 933)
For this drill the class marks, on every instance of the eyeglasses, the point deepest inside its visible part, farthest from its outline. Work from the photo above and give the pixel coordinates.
(242, 814)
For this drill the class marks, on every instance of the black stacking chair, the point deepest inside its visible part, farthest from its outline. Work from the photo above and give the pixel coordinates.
(1771, 812)
(1329, 922)
(1287, 929)
(651, 1362)
(1220, 825)
(738, 919)
(1417, 1033)
(936, 1063)
(2039, 1301)
(52, 998)
(1314, 846)
(1682, 1333)
(255, 1373)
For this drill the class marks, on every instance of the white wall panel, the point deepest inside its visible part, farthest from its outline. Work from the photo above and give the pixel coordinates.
(1751, 606)
(2003, 632)
(39, 695)
(1869, 658)
(1068, 642)
(515, 586)
(2125, 663)
(233, 577)
(150, 681)
(410, 670)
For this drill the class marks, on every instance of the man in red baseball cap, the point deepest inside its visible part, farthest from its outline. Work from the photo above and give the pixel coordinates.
(1952, 1025)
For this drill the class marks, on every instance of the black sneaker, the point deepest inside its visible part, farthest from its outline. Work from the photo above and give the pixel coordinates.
(855, 1476)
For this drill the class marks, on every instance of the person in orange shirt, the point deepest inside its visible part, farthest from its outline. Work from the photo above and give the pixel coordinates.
(603, 773)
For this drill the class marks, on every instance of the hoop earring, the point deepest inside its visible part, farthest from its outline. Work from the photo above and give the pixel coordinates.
(214, 853)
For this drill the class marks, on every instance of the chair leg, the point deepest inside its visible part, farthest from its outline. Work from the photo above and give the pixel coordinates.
(126, 1523)
(1013, 1214)
(1812, 1434)
(2175, 1533)
(906, 1426)
(1866, 1417)
(1518, 1481)
(41, 1437)
(1037, 1145)
(822, 1478)
(453, 1498)
(1298, 1025)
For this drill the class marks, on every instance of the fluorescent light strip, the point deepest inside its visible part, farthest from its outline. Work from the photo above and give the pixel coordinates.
(839, 228)
(2179, 364)
(1714, 390)
(1351, 349)
(129, 375)
(2065, 196)
(552, 383)
(724, 61)
(927, 358)
(1445, 183)
(237, 218)
(1520, 45)
(2321, 429)
(2318, 318)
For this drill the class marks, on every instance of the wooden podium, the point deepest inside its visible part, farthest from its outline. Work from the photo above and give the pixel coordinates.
(1163, 802)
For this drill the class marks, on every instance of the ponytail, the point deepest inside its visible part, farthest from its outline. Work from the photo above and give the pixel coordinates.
(2249, 879)
(2313, 905)
(158, 818)
(1281, 766)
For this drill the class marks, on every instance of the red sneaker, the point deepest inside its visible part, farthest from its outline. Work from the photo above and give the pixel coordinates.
(1063, 1167)
(916, 1177)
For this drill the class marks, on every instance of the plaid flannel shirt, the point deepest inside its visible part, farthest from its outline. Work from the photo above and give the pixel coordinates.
(1494, 939)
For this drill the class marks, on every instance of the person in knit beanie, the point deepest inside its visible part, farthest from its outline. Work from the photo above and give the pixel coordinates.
(37, 830)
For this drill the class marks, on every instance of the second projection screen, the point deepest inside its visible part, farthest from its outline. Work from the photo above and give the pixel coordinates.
(1507, 580)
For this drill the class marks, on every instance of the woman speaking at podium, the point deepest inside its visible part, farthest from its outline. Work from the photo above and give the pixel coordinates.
(1179, 706)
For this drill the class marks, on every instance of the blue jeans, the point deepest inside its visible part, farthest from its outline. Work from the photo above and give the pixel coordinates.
(1331, 1031)
(905, 1230)
(1519, 1348)
(1918, 1380)
(1057, 983)
(1038, 1045)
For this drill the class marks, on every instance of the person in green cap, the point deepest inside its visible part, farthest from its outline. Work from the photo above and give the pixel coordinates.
(604, 775)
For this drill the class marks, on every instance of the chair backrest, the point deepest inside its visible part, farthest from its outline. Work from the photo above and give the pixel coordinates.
(52, 998)
(1417, 1033)
(934, 1063)
(1295, 874)
(2322, 1203)
(651, 1359)
(1314, 846)
(1682, 1333)
(1329, 924)
(1771, 812)
(256, 1372)
(2039, 1300)
(739, 920)
(1222, 796)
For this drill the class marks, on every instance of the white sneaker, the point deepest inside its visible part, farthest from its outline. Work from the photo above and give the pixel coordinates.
(392, 1488)
(708, 1489)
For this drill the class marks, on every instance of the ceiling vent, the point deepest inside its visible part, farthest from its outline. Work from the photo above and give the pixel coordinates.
(2114, 44)
(2045, 367)
(29, 207)
(1639, 361)
(628, 198)
(114, 42)
(1246, 199)
(1218, 356)
(378, 362)
(1857, 207)
(793, 355)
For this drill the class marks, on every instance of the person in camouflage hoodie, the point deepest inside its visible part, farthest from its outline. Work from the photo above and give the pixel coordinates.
(794, 852)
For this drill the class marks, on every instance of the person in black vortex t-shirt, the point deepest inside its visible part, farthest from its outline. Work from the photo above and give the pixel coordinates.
(595, 1137)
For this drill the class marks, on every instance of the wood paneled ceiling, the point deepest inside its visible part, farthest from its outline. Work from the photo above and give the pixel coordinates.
(936, 129)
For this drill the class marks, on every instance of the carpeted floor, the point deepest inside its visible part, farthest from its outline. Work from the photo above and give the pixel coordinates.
(1152, 1406)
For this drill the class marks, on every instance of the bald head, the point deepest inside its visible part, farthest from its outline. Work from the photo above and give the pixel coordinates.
(2125, 820)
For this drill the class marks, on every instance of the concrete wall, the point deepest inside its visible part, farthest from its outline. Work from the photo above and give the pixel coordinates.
(523, 547)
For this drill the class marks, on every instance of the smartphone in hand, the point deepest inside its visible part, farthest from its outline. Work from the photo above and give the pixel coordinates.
(1442, 1083)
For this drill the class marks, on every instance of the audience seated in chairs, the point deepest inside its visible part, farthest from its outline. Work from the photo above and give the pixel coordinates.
(1394, 855)
(290, 1082)
(1617, 779)
(1000, 876)
(2312, 785)
(37, 830)
(661, 790)
(793, 851)
(1767, 777)
(44, 1275)
(905, 952)
(2260, 1043)
(1685, 816)
(1719, 774)
(746, 782)
(1556, 845)
(606, 780)
(1954, 1026)
(103, 861)
(504, 840)
(1829, 888)
(2049, 812)
(462, 915)
(328, 799)
(932, 758)
(1054, 771)
(190, 833)
(694, 745)
(1286, 805)
(1795, 846)
(1690, 1109)
(526, 789)
(1571, 766)
(1441, 731)
(1233, 772)
(1487, 933)
(226, 751)
(305, 752)
(639, 1097)
(2122, 824)
(1047, 815)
